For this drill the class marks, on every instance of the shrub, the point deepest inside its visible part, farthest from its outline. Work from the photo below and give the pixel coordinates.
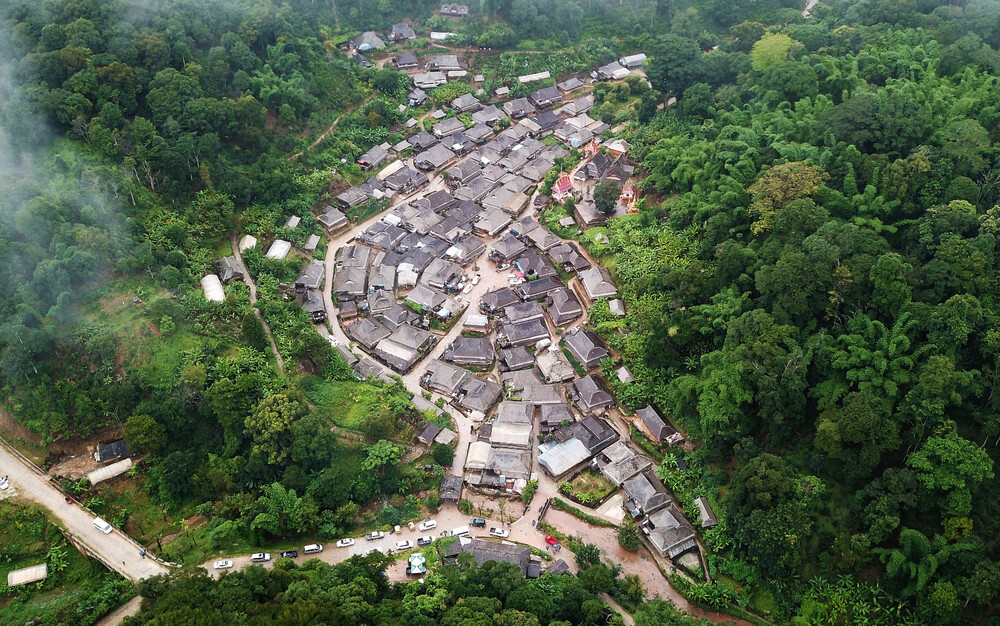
(465, 507)
(443, 455)
(628, 538)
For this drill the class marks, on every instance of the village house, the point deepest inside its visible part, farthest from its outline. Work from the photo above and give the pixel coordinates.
(470, 351)
(369, 41)
(590, 395)
(311, 277)
(656, 427)
(587, 348)
(401, 32)
(563, 307)
(545, 97)
(465, 103)
(229, 269)
(443, 63)
(405, 61)
(597, 283)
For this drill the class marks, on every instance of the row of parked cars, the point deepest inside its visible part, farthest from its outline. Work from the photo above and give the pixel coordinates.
(405, 544)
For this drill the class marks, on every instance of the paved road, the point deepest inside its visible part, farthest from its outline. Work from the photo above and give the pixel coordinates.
(116, 549)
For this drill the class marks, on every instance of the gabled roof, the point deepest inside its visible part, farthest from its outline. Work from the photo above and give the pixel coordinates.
(369, 41)
(586, 347)
(401, 31)
(479, 395)
(523, 312)
(523, 333)
(490, 115)
(312, 275)
(563, 307)
(451, 488)
(543, 239)
(448, 127)
(476, 351)
(554, 366)
(229, 269)
(705, 512)
(516, 358)
(465, 102)
(484, 551)
(597, 283)
(590, 395)
(498, 299)
(433, 158)
(534, 289)
(367, 332)
(444, 378)
(658, 428)
(646, 492)
(406, 59)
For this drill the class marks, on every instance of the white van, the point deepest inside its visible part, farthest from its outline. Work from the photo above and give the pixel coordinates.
(461, 531)
(312, 548)
(103, 526)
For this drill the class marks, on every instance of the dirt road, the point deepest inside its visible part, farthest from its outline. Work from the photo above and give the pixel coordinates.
(116, 549)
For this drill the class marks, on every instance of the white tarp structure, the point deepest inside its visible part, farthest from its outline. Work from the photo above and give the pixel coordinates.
(212, 287)
(109, 471)
(27, 575)
(247, 242)
(279, 249)
(479, 453)
(530, 78)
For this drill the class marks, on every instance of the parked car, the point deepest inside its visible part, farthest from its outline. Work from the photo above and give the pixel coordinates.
(427, 524)
(371, 551)
(500, 532)
(476, 279)
(372, 536)
(405, 544)
(549, 539)
(467, 289)
(503, 267)
(4, 483)
(478, 522)
(333, 340)
(223, 564)
(289, 554)
(345, 543)
(425, 541)
(260, 557)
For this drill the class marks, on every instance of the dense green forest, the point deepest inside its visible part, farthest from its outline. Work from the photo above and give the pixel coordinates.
(810, 285)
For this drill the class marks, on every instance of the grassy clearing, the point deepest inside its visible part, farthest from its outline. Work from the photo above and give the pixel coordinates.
(346, 403)
(126, 503)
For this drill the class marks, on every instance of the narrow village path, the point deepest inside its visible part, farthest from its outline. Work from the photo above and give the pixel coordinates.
(329, 129)
(253, 301)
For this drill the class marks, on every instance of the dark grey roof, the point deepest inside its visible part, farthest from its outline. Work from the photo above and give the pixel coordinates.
(111, 451)
(312, 275)
(479, 395)
(523, 333)
(595, 433)
(516, 358)
(656, 424)
(332, 218)
(546, 96)
(522, 312)
(367, 332)
(494, 301)
(433, 158)
(229, 269)
(563, 306)
(586, 347)
(484, 551)
(540, 288)
(406, 59)
(646, 491)
(428, 432)
(590, 395)
(533, 265)
(559, 567)
(451, 488)
(477, 351)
